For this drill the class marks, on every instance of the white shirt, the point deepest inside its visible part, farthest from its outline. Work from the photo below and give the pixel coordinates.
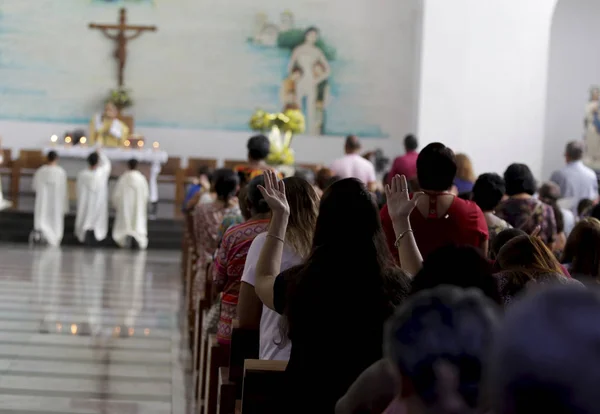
(270, 335)
(354, 166)
(576, 182)
(130, 200)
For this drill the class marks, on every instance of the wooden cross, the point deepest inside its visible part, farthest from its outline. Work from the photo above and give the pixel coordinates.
(121, 38)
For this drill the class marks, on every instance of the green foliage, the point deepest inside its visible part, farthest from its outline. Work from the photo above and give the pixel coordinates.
(120, 98)
(295, 37)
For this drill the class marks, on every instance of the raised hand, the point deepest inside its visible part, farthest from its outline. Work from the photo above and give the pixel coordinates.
(400, 205)
(274, 194)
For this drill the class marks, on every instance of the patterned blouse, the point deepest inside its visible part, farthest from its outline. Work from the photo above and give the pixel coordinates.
(228, 269)
(528, 213)
(207, 218)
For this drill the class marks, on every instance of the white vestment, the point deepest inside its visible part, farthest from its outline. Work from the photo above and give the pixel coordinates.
(130, 199)
(3, 203)
(92, 201)
(592, 137)
(51, 202)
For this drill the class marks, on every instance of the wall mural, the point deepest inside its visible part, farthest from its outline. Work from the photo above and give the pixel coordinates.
(210, 65)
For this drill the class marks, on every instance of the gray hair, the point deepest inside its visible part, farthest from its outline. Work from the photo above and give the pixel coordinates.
(575, 150)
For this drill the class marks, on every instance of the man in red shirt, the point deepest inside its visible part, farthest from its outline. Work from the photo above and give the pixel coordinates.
(406, 164)
(440, 217)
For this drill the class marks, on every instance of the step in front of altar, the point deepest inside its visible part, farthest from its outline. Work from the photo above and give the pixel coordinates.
(15, 227)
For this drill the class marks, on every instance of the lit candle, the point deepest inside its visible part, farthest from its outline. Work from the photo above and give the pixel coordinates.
(68, 140)
(82, 140)
(140, 143)
(74, 329)
(127, 143)
(54, 139)
(155, 145)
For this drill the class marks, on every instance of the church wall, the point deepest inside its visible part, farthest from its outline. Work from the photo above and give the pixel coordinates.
(483, 80)
(574, 67)
(197, 81)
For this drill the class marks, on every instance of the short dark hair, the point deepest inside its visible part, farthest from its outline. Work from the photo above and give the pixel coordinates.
(443, 325)
(488, 191)
(502, 238)
(226, 183)
(52, 156)
(256, 201)
(436, 167)
(352, 143)
(132, 164)
(519, 179)
(410, 143)
(93, 159)
(259, 147)
(575, 150)
(543, 355)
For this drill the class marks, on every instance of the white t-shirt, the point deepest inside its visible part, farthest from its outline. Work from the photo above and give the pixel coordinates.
(270, 334)
(354, 166)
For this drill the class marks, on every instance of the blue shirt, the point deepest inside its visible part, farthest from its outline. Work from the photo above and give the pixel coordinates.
(191, 192)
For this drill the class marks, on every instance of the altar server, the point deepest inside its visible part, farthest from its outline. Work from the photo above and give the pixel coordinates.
(51, 201)
(4, 204)
(91, 222)
(130, 200)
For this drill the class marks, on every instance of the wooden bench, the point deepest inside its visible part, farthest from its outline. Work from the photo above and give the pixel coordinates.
(264, 383)
(231, 164)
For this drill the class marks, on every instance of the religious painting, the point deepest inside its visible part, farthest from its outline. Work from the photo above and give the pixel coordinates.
(211, 65)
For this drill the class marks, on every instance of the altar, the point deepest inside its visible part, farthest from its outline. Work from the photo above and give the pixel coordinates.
(74, 159)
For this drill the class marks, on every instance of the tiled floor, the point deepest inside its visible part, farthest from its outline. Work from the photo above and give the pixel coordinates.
(85, 331)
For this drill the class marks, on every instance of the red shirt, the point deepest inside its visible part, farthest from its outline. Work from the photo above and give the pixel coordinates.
(463, 224)
(405, 165)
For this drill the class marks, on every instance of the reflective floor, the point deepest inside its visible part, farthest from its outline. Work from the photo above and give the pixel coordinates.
(85, 331)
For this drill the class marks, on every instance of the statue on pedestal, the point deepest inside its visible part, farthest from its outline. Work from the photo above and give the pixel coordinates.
(592, 130)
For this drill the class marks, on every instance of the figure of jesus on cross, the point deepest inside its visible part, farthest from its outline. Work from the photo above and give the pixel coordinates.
(121, 38)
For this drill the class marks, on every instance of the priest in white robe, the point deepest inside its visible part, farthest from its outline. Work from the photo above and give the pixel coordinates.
(130, 200)
(92, 199)
(51, 200)
(4, 204)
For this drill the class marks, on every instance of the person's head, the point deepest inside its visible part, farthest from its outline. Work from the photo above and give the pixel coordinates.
(323, 177)
(306, 174)
(445, 327)
(502, 238)
(461, 266)
(549, 192)
(226, 184)
(519, 180)
(410, 143)
(257, 205)
(258, 148)
(464, 168)
(526, 252)
(52, 157)
(93, 160)
(132, 164)
(110, 110)
(311, 35)
(304, 207)
(436, 167)
(544, 354)
(584, 207)
(352, 144)
(574, 151)
(488, 191)
(582, 250)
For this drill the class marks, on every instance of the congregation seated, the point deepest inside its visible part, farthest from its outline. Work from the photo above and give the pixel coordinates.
(130, 200)
(231, 255)
(51, 202)
(521, 210)
(340, 295)
(252, 314)
(353, 165)
(91, 220)
(440, 218)
(487, 193)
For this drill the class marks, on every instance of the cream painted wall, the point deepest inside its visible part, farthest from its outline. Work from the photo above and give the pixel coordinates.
(483, 79)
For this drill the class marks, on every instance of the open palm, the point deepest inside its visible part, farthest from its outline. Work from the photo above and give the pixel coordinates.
(398, 201)
(274, 193)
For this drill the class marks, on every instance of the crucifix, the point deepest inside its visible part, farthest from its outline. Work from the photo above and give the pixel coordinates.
(121, 38)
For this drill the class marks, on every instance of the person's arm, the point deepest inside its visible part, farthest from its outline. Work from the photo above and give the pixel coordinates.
(269, 262)
(104, 166)
(372, 184)
(400, 205)
(249, 309)
(293, 60)
(35, 182)
(326, 68)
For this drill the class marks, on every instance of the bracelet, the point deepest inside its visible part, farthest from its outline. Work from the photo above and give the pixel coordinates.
(401, 236)
(275, 237)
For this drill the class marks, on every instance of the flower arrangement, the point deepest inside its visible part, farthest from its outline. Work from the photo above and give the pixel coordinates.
(281, 126)
(120, 98)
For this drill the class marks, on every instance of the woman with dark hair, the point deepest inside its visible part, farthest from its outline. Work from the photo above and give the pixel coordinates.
(336, 302)
(488, 191)
(521, 210)
(581, 255)
(231, 256)
(252, 314)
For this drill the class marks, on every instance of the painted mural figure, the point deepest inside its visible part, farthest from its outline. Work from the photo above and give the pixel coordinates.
(592, 129)
(306, 57)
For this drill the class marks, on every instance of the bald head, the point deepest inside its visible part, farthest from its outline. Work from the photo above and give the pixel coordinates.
(352, 144)
(574, 151)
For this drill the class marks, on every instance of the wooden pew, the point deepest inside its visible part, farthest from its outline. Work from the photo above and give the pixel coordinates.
(168, 175)
(217, 357)
(226, 399)
(231, 164)
(264, 383)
